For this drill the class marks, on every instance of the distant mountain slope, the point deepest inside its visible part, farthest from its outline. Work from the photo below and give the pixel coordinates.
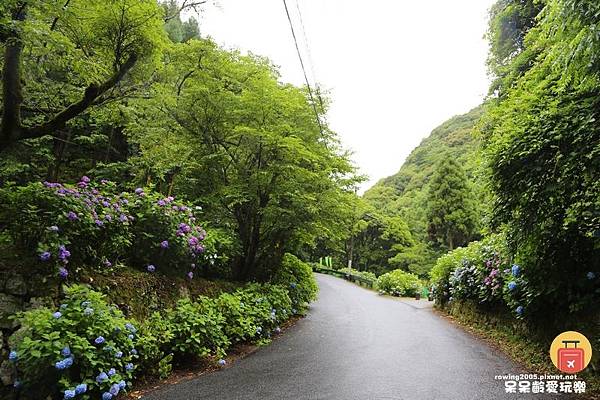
(404, 193)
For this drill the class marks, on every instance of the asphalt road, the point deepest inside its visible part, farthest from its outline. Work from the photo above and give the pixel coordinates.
(355, 344)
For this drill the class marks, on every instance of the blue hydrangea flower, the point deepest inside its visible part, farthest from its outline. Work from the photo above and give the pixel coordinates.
(112, 371)
(106, 396)
(60, 365)
(164, 244)
(53, 228)
(516, 270)
(258, 330)
(69, 394)
(590, 275)
(81, 388)
(45, 256)
(130, 336)
(122, 385)
(99, 340)
(66, 351)
(119, 354)
(133, 351)
(129, 367)
(57, 315)
(63, 272)
(139, 191)
(13, 356)
(151, 268)
(293, 285)
(222, 362)
(519, 310)
(101, 377)
(88, 311)
(85, 303)
(129, 326)
(114, 389)
(512, 285)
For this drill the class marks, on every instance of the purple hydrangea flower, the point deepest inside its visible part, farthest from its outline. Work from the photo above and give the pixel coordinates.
(63, 253)
(161, 203)
(190, 275)
(85, 179)
(98, 222)
(123, 218)
(99, 340)
(45, 256)
(107, 264)
(151, 268)
(164, 244)
(278, 330)
(139, 190)
(108, 217)
(222, 362)
(63, 272)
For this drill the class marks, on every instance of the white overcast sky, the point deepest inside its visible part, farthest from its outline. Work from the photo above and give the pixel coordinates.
(395, 68)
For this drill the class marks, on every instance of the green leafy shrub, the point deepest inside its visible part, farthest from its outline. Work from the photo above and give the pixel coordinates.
(86, 347)
(362, 274)
(399, 283)
(298, 277)
(196, 328)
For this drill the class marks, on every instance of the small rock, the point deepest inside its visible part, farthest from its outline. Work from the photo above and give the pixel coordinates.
(7, 373)
(9, 305)
(16, 285)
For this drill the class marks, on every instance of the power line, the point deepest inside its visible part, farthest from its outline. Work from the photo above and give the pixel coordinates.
(310, 94)
(310, 60)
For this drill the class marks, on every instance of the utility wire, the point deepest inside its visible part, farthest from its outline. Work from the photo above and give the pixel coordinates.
(310, 94)
(310, 60)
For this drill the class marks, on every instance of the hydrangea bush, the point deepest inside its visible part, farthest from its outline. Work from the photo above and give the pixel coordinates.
(84, 349)
(399, 283)
(481, 272)
(95, 226)
(298, 277)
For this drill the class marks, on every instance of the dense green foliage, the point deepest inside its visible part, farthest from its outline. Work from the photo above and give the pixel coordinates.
(450, 206)
(407, 195)
(542, 146)
(399, 283)
(298, 275)
(89, 348)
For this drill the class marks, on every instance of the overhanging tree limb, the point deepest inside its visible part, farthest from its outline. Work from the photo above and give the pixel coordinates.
(12, 130)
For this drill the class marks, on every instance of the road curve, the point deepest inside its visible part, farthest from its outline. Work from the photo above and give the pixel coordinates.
(355, 344)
